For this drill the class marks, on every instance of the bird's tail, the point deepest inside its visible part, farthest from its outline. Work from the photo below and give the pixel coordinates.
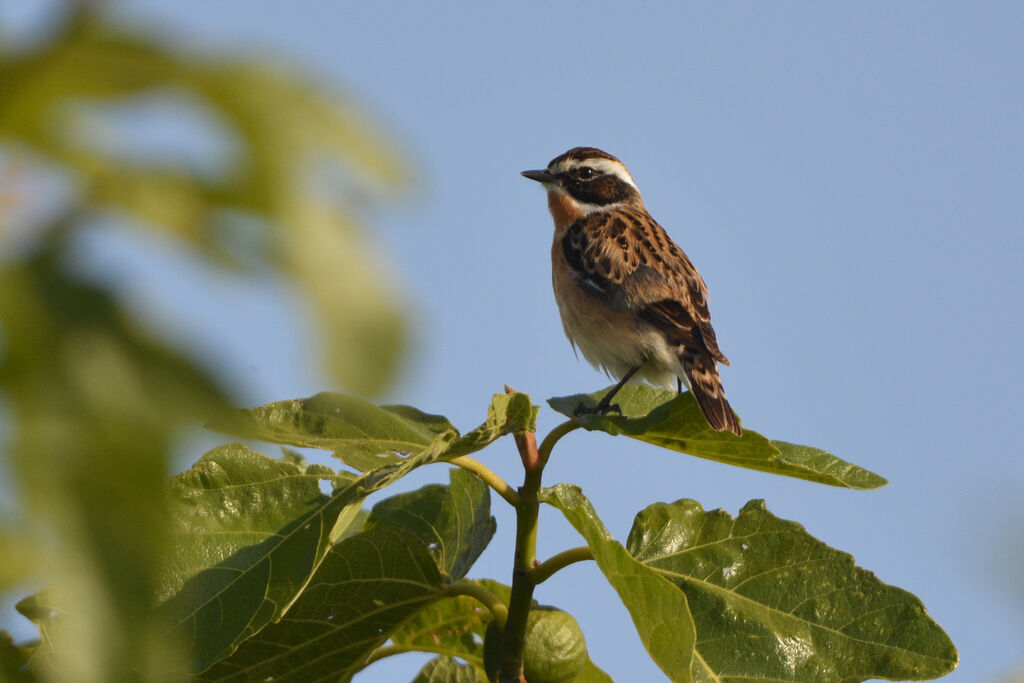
(706, 386)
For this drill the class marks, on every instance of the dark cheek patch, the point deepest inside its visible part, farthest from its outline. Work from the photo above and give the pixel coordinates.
(606, 189)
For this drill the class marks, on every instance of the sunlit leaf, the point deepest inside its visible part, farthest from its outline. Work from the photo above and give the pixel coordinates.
(659, 610)
(771, 602)
(366, 436)
(453, 521)
(673, 421)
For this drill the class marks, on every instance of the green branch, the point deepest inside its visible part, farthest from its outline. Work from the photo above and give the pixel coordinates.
(545, 569)
(489, 477)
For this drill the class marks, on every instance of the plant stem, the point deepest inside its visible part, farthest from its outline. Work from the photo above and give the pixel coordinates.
(488, 476)
(481, 594)
(523, 563)
(545, 569)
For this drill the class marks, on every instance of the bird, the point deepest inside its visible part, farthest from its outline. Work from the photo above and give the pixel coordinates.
(630, 299)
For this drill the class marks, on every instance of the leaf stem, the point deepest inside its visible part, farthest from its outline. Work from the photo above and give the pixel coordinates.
(389, 650)
(552, 438)
(488, 599)
(489, 477)
(543, 571)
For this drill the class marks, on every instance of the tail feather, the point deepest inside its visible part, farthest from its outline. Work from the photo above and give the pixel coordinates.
(706, 387)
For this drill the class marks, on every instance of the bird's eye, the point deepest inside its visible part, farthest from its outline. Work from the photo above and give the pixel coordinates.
(585, 173)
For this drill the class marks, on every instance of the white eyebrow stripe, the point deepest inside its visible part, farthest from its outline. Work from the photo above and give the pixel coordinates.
(608, 166)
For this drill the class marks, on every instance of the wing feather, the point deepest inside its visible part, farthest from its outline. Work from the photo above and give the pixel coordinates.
(629, 260)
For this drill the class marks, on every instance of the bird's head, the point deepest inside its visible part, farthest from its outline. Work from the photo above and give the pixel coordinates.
(592, 179)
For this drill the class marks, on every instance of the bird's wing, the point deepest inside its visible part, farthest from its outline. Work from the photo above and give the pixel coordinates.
(630, 261)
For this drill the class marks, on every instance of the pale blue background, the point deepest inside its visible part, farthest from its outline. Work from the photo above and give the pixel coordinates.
(848, 178)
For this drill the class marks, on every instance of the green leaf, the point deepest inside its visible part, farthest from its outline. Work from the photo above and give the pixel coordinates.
(361, 434)
(592, 674)
(367, 585)
(454, 626)
(674, 421)
(771, 602)
(454, 521)
(250, 531)
(366, 436)
(509, 413)
(445, 669)
(659, 610)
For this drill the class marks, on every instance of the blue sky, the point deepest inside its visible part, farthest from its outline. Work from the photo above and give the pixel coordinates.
(847, 177)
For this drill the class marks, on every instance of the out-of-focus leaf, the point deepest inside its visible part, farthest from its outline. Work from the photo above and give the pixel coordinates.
(771, 602)
(20, 552)
(14, 660)
(453, 521)
(96, 405)
(356, 307)
(366, 436)
(302, 160)
(367, 585)
(445, 669)
(674, 421)
(659, 610)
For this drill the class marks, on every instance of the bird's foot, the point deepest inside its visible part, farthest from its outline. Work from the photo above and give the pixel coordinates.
(601, 408)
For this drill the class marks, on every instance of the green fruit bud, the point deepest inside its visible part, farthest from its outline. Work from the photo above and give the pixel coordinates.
(555, 650)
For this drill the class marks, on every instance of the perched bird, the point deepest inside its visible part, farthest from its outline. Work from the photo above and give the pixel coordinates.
(630, 299)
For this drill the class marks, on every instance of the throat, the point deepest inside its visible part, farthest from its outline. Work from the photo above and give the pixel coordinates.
(564, 209)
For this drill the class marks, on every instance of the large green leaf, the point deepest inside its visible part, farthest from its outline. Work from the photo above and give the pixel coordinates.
(250, 531)
(367, 585)
(449, 525)
(453, 521)
(366, 436)
(454, 626)
(674, 421)
(772, 603)
(659, 610)
(444, 669)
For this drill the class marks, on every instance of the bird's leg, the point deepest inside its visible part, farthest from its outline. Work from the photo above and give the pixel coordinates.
(605, 405)
(679, 385)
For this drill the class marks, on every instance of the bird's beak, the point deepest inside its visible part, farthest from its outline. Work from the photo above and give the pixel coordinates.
(539, 176)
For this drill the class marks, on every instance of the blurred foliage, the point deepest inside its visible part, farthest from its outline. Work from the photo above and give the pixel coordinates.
(91, 403)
